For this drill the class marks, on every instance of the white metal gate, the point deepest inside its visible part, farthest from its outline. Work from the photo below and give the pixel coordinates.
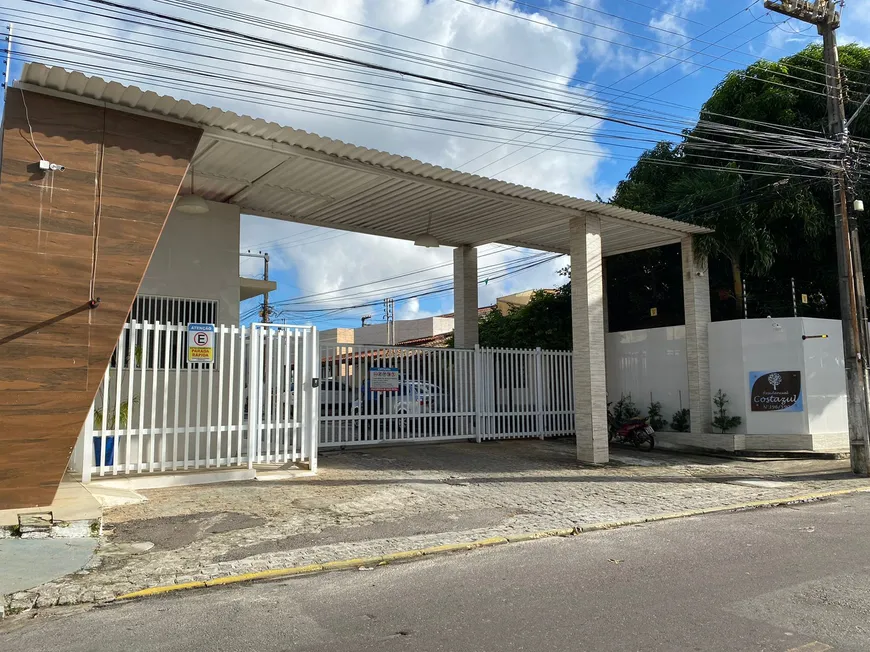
(443, 394)
(282, 412)
(433, 401)
(156, 412)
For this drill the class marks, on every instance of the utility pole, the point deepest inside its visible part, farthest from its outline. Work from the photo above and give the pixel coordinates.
(824, 15)
(390, 318)
(265, 313)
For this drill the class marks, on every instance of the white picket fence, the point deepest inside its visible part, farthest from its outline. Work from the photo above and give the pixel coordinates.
(155, 412)
(525, 393)
(444, 394)
(273, 396)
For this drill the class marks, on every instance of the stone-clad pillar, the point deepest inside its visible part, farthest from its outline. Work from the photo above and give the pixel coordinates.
(696, 298)
(587, 310)
(465, 298)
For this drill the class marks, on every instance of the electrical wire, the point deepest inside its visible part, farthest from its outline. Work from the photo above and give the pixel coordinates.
(30, 126)
(667, 130)
(634, 88)
(739, 149)
(424, 288)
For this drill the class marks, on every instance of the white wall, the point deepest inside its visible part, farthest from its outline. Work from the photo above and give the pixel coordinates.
(740, 347)
(197, 257)
(648, 362)
(825, 386)
(727, 368)
(406, 329)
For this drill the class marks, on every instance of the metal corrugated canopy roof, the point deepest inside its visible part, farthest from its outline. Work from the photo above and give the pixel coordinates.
(280, 172)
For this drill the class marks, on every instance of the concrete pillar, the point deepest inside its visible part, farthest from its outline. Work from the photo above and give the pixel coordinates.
(604, 297)
(587, 316)
(696, 298)
(465, 298)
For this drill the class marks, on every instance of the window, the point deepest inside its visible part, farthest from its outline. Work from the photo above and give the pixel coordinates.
(166, 310)
(173, 310)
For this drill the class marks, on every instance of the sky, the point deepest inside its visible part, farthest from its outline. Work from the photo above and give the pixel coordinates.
(659, 59)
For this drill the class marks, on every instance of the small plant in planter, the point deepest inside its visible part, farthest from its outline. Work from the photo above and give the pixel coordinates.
(654, 412)
(680, 421)
(123, 416)
(721, 418)
(624, 410)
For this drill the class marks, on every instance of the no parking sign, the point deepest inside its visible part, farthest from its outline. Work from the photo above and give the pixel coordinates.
(200, 342)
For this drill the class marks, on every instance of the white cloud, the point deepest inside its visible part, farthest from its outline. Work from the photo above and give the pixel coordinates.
(668, 41)
(855, 23)
(322, 262)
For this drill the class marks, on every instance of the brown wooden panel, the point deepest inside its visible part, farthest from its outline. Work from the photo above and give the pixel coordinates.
(122, 174)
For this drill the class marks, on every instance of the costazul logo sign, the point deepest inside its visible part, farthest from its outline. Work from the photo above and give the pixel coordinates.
(775, 391)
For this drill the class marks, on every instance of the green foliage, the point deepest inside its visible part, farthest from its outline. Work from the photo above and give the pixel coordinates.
(654, 412)
(771, 228)
(721, 420)
(680, 421)
(624, 410)
(124, 413)
(544, 322)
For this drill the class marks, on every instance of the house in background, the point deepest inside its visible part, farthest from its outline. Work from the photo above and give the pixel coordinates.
(518, 300)
(426, 331)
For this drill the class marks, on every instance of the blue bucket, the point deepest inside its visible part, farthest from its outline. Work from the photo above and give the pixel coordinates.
(110, 451)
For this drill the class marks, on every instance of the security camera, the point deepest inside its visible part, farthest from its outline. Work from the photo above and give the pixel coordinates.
(47, 165)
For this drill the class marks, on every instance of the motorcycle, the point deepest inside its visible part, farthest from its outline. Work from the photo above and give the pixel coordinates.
(636, 432)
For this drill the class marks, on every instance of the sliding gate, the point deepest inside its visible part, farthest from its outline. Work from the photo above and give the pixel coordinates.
(385, 394)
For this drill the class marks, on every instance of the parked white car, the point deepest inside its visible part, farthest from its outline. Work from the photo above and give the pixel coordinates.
(336, 398)
(408, 401)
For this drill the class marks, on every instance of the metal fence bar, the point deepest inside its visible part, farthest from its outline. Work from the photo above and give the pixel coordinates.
(131, 345)
(233, 331)
(175, 411)
(313, 434)
(198, 425)
(104, 425)
(279, 394)
(296, 389)
(155, 352)
(143, 364)
(219, 356)
(89, 445)
(267, 434)
(166, 351)
(255, 378)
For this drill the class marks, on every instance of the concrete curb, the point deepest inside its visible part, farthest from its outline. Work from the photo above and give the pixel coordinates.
(408, 555)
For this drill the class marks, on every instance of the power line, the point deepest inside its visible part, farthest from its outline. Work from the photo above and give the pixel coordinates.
(635, 87)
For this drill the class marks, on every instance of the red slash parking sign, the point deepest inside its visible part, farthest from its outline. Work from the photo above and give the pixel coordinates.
(200, 343)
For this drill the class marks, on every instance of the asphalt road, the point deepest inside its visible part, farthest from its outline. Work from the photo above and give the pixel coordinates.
(795, 578)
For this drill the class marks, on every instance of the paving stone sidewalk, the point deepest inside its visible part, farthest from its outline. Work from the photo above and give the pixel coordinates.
(377, 501)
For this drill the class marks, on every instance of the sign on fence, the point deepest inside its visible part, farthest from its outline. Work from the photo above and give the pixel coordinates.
(200, 342)
(384, 379)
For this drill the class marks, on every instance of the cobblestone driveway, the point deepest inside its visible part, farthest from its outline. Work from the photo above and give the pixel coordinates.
(377, 501)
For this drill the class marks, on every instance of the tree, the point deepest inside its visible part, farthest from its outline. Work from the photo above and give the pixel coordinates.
(769, 225)
(543, 322)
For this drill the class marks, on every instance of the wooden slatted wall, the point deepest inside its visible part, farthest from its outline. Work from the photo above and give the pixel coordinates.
(98, 222)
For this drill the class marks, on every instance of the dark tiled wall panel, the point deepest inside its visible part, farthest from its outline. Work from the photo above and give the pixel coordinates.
(53, 350)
